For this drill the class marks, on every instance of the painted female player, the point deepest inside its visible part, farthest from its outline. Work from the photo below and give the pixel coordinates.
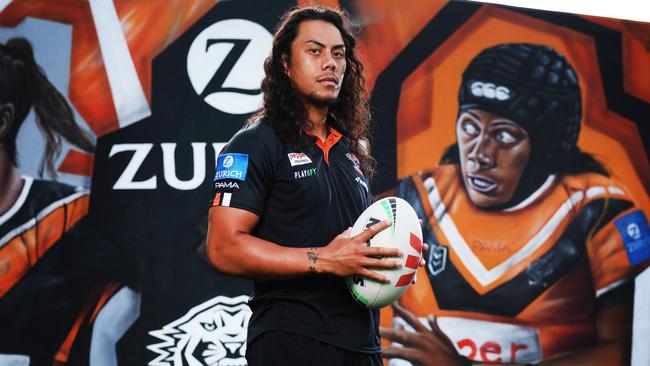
(537, 243)
(50, 272)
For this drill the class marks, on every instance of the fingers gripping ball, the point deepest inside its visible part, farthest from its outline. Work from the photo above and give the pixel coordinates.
(405, 234)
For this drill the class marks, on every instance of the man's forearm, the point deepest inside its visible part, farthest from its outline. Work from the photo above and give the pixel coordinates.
(252, 257)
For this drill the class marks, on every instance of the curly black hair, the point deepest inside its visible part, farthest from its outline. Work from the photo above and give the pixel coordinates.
(285, 111)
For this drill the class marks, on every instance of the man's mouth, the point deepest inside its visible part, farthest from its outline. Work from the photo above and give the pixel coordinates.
(481, 184)
(329, 80)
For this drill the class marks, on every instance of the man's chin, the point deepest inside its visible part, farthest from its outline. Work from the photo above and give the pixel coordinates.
(322, 100)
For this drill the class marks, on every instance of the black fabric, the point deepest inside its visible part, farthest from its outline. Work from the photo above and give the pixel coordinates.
(301, 210)
(290, 349)
(615, 207)
(621, 293)
(41, 195)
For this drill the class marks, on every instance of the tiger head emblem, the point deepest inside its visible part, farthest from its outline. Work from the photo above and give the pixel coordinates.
(210, 334)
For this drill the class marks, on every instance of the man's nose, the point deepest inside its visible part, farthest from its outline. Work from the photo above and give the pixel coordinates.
(328, 61)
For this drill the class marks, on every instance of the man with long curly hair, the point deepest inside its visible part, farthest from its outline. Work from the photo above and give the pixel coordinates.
(286, 188)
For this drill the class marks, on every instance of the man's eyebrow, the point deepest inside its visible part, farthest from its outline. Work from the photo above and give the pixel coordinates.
(317, 43)
(323, 45)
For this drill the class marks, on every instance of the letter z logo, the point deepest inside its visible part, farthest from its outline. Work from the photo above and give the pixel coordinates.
(225, 65)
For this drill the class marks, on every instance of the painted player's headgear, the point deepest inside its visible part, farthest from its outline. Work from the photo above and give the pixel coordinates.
(534, 86)
(531, 84)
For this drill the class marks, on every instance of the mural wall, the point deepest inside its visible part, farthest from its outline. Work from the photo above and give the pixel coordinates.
(519, 136)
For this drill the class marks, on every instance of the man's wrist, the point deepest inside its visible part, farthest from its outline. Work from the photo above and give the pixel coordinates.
(314, 264)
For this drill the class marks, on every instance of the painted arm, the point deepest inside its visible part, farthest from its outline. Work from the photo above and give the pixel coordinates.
(614, 325)
(425, 347)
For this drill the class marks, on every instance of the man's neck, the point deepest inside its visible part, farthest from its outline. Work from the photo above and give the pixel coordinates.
(318, 118)
(10, 182)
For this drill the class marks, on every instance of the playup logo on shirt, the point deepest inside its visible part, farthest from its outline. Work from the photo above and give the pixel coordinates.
(304, 173)
(232, 166)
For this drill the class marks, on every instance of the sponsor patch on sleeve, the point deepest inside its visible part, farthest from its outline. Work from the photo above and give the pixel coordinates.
(231, 166)
(355, 163)
(635, 232)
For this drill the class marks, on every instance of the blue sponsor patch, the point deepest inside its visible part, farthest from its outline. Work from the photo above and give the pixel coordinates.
(635, 232)
(231, 166)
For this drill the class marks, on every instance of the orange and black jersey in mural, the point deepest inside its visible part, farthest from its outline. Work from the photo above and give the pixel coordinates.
(49, 271)
(522, 284)
(43, 212)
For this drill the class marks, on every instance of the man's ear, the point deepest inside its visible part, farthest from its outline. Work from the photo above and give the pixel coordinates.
(7, 114)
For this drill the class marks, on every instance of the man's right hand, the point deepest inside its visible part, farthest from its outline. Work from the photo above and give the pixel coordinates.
(349, 256)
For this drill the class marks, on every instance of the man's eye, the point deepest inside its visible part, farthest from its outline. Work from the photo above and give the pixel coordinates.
(339, 54)
(314, 51)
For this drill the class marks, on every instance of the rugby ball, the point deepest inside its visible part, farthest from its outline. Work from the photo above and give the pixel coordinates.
(404, 233)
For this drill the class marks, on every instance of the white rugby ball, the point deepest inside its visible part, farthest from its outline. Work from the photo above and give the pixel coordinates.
(404, 233)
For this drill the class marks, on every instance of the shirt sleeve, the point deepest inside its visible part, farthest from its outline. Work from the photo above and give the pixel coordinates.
(244, 171)
(619, 245)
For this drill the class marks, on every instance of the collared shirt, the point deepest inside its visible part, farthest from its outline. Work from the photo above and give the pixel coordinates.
(304, 199)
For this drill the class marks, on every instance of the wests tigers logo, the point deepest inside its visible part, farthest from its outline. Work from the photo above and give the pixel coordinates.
(213, 333)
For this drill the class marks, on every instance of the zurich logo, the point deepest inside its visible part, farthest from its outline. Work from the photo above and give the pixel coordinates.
(228, 161)
(225, 65)
(634, 231)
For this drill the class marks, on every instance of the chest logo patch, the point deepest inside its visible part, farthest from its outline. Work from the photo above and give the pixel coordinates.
(298, 159)
(437, 260)
(232, 166)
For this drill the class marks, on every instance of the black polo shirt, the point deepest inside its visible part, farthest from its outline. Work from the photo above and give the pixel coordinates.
(304, 199)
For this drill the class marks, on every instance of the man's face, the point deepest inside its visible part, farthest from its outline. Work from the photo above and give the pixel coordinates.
(317, 64)
(494, 152)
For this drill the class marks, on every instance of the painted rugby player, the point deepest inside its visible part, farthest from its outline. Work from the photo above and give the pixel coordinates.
(53, 269)
(537, 245)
